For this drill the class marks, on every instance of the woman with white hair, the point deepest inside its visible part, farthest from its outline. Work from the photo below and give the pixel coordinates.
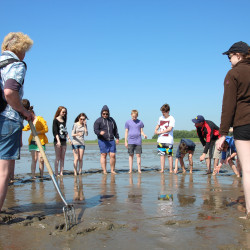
(12, 74)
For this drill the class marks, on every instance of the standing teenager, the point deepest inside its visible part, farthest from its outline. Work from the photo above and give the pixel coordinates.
(79, 130)
(60, 137)
(236, 110)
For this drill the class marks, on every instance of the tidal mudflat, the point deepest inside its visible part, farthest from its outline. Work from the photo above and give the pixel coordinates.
(123, 211)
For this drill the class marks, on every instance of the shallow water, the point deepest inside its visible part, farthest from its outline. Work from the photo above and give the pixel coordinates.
(123, 211)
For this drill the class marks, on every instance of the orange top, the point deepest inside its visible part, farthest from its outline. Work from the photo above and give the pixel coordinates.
(41, 128)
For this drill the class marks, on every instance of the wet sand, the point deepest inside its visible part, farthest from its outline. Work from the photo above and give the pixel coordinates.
(123, 211)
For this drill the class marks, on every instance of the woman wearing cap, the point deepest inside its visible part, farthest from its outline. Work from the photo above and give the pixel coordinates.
(236, 109)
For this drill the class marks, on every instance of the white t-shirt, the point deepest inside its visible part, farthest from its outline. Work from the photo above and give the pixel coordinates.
(164, 123)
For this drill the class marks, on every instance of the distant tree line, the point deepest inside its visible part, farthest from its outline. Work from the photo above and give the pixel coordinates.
(182, 134)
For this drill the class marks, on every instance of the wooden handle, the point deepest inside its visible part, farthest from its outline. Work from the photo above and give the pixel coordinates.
(39, 144)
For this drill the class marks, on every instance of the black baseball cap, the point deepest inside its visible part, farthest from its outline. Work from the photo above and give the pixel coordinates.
(198, 119)
(239, 47)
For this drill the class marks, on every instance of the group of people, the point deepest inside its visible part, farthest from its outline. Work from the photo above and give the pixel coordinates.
(235, 113)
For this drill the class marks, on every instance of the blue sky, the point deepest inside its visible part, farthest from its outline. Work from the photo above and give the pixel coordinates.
(129, 55)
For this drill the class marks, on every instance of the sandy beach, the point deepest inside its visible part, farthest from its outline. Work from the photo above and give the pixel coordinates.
(123, 211)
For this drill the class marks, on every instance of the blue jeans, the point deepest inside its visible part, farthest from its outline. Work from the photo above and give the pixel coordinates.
(10, 139)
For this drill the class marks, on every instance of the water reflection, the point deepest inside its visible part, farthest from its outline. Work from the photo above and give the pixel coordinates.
(135, 192)
(108, 195)
(37, 192)
(61, 186)
(78, 189)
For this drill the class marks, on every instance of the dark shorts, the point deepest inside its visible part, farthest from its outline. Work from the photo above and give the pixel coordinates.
(165, 149)
(107, 146)
(78, 146)
(10, 139)
(134, 148)
(242, 132)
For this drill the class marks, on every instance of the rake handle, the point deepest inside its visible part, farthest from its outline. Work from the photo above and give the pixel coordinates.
(39, 144)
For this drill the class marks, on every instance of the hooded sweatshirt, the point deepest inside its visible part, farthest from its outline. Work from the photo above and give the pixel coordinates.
(107, 125)
(236, 99)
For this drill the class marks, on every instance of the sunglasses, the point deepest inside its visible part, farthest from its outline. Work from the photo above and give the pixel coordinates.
(82, 119)
(105, 113)
(230, 56)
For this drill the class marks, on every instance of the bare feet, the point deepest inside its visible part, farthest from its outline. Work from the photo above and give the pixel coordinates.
(162, 171)
(139, 171)
(190, 171)
(104, 172)
(113, 172)
(176, 171)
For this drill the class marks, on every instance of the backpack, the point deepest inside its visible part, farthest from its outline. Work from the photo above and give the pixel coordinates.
(4, 63)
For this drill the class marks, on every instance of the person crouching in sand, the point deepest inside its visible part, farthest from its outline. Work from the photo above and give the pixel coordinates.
(185, 146)
(228, 155)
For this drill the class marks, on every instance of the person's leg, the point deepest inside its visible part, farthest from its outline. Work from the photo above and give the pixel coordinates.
(208, 158)
(163, 158)
(238, 166)
(176, 166)
(76, 155)
(63, 152)
(170, 161)
(208, 163)
(6, 167)
(80, 159)
(41, 164)
(243, 151)
(138, 156)
(231, 163)
(182, 165)
(216, 156)
(57, 159)
(130, 161)
(34, 157)
(103, 161)
(112, 162)
(190, 159)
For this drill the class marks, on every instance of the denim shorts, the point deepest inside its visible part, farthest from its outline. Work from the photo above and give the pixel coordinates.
(107, 146)
(10, 139)
(78, 146)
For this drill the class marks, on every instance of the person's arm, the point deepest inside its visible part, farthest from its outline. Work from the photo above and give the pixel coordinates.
(126, 138)
(44, 126)
(116, 134)
(73, 133)
(27, 127)
(142, 133)
(97, 130)
(55, 130)
(13, 99)
(156, 129)
(229, 103)
(86, 128)
(231, 157)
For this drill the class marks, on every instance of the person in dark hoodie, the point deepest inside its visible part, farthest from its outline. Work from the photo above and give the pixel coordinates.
(106, 130)
(236, 110)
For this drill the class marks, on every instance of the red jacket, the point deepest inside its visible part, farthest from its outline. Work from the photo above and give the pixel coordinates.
(207, 133)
